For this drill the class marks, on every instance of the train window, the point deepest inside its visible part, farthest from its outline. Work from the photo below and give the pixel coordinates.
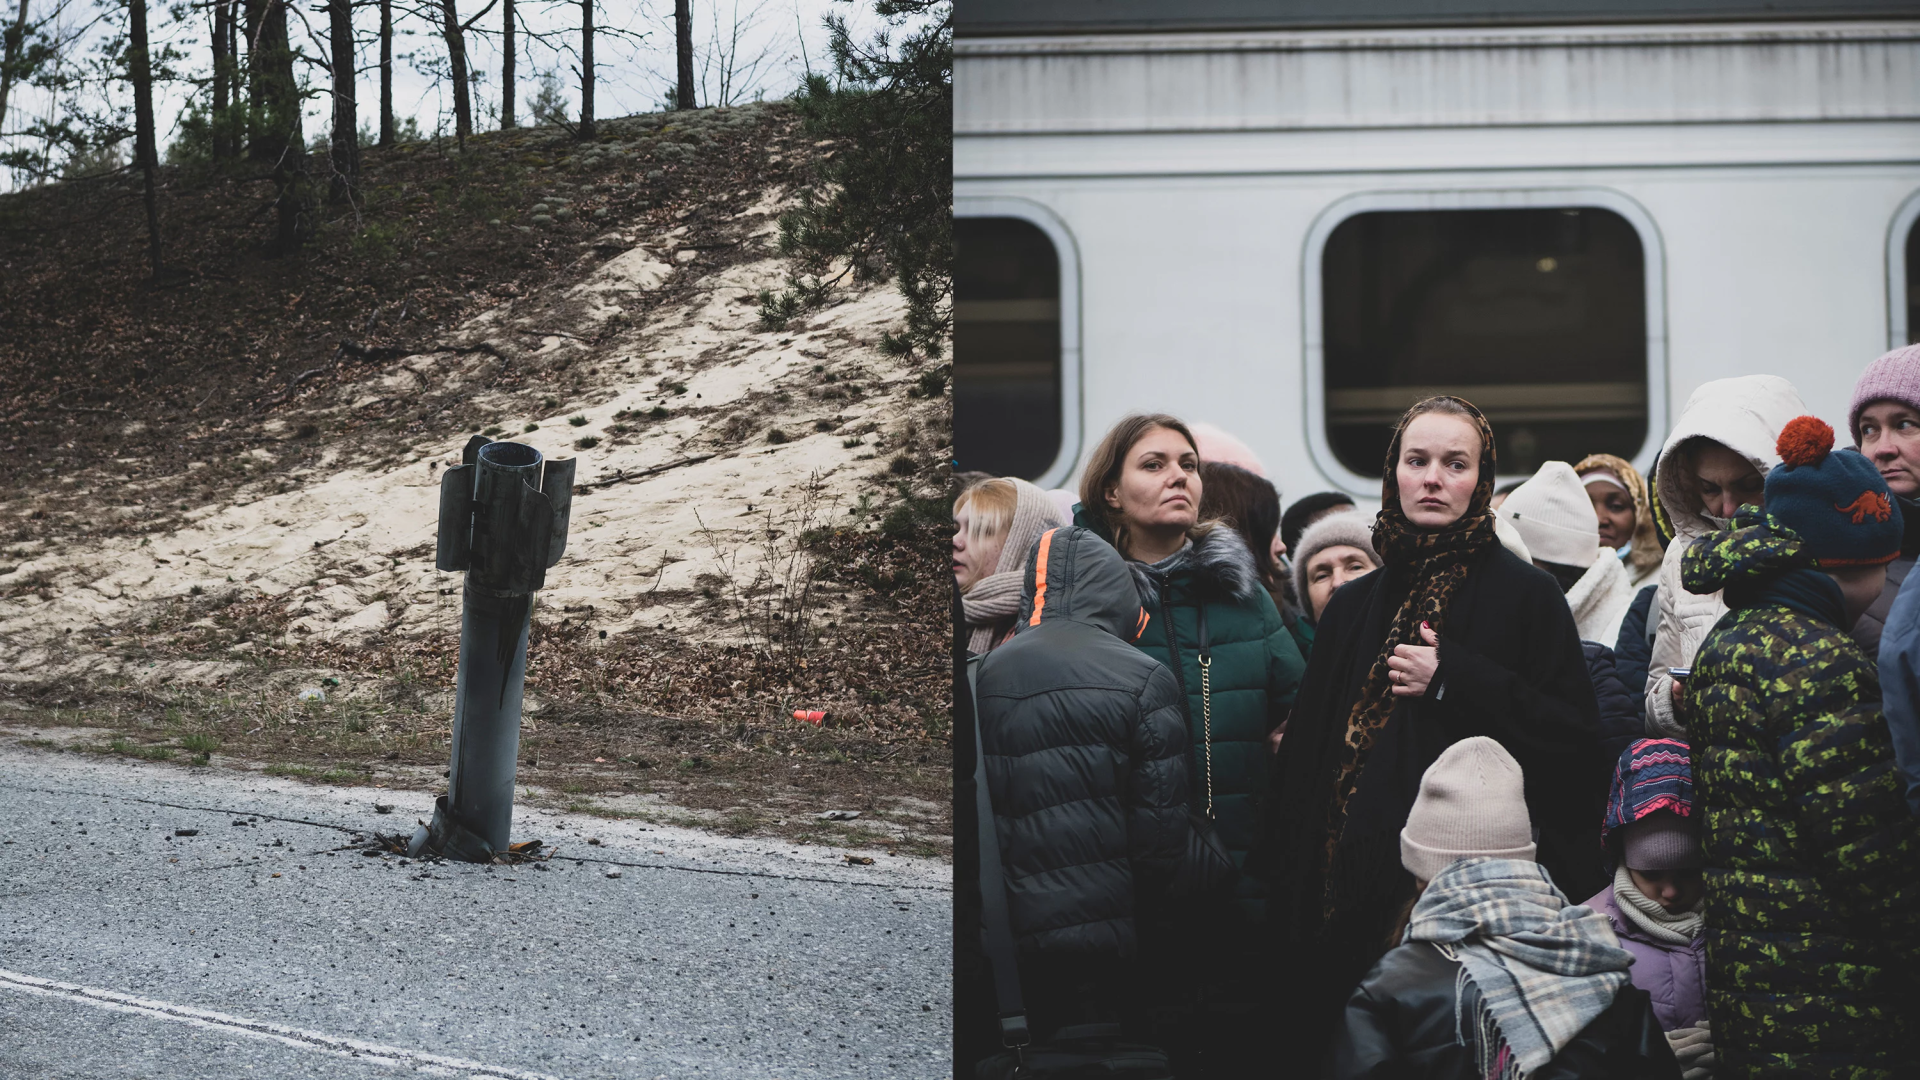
(1913, 282)
(1006, 347)
(1537, 316)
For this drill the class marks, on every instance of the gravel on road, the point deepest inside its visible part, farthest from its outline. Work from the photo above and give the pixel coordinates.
(160, 922)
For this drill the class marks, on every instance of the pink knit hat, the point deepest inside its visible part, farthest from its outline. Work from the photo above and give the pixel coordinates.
(1893, 377)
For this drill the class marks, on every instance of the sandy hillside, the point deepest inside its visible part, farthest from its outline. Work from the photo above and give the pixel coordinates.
(755, 523)
(348, 551)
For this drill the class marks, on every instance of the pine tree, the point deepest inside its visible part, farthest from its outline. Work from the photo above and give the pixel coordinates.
(883, 205)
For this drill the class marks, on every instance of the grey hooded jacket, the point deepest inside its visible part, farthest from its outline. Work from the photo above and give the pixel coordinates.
(1086, 746)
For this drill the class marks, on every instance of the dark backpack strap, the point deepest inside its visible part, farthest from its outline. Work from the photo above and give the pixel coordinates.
(996, 926)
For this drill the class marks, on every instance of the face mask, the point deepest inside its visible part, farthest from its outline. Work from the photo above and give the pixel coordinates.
(1625, 550)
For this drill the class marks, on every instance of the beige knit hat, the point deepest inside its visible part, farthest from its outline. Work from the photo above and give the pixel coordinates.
(1472, 802)
(1349, 528)
(1555, 517)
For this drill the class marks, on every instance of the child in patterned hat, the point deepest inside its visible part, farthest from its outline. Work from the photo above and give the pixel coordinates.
(1812, 862)
(1656, 901)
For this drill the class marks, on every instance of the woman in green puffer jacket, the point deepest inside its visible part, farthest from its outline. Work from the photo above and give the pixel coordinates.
(1209, 620)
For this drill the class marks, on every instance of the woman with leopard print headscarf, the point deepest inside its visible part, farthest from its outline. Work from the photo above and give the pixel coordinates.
(1454, 636)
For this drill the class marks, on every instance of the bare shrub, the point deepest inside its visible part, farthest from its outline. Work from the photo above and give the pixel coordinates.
(772, 599)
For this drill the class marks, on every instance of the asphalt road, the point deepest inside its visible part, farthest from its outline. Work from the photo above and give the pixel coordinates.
(267, 945)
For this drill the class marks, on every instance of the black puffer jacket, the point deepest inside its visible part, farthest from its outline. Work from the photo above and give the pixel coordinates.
(1633, 651)
(1403, 1021)
(1622, 719)
(1086, 758)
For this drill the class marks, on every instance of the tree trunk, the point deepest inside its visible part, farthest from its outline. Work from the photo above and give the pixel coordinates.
(255, 13)
(457, 65)
(273, 120)
(236, 120)
(386, 74)
(683, 48)
(222, 80)
(346, 115)
(506, 67)
(140, 73)
(586, 69)
(16, 41)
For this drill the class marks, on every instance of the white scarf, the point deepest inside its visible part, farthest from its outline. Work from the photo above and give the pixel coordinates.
(1657, 922)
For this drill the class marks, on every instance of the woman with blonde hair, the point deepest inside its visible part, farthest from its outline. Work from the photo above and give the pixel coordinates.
(1620, 501)
(996, 522)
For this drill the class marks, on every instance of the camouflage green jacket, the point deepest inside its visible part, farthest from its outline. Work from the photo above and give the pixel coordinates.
(1813, 864)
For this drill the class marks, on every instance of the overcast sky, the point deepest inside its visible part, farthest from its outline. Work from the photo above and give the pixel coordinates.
(633, 57)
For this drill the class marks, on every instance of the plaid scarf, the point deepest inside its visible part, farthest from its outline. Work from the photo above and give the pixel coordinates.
(1434, 563)
(1544, 969)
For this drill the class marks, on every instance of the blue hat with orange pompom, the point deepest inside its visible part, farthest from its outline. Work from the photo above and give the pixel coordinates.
(1835, 500)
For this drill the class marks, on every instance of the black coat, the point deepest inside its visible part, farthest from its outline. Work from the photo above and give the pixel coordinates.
(1633, 649)
(1622, 712)
(1511, 668)
(1403, 1021)
(1086, 760)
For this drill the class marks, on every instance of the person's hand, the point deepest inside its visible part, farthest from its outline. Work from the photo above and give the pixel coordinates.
(1678, 693)
(1411, 667)
(1273, 739)
(1693, 1048)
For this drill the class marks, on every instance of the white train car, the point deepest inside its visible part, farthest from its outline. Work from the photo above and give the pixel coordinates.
(1294, 223)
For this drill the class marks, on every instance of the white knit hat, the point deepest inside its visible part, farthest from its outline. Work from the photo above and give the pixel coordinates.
(1555, 517)
(1472, 802)
(1510, 538)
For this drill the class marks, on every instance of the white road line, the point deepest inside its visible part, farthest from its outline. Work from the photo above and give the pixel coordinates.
(370, 1053)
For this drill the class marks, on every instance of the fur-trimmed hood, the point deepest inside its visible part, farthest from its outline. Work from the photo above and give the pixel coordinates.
(1217, 566)
(1214, 566)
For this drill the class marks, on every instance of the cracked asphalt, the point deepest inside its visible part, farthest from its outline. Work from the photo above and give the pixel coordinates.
(265, 943)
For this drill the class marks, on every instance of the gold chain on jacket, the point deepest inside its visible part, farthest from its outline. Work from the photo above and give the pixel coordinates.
(1206, 713)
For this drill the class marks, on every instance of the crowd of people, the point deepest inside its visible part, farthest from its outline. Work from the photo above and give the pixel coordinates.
(1588, 776)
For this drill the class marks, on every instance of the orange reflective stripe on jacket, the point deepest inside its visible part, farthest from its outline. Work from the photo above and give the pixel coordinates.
(1040, 576)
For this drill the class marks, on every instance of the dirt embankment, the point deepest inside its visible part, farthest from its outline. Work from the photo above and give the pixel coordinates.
(217, 519)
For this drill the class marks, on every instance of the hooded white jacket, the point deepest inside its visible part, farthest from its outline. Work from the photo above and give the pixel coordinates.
(1744, 414)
